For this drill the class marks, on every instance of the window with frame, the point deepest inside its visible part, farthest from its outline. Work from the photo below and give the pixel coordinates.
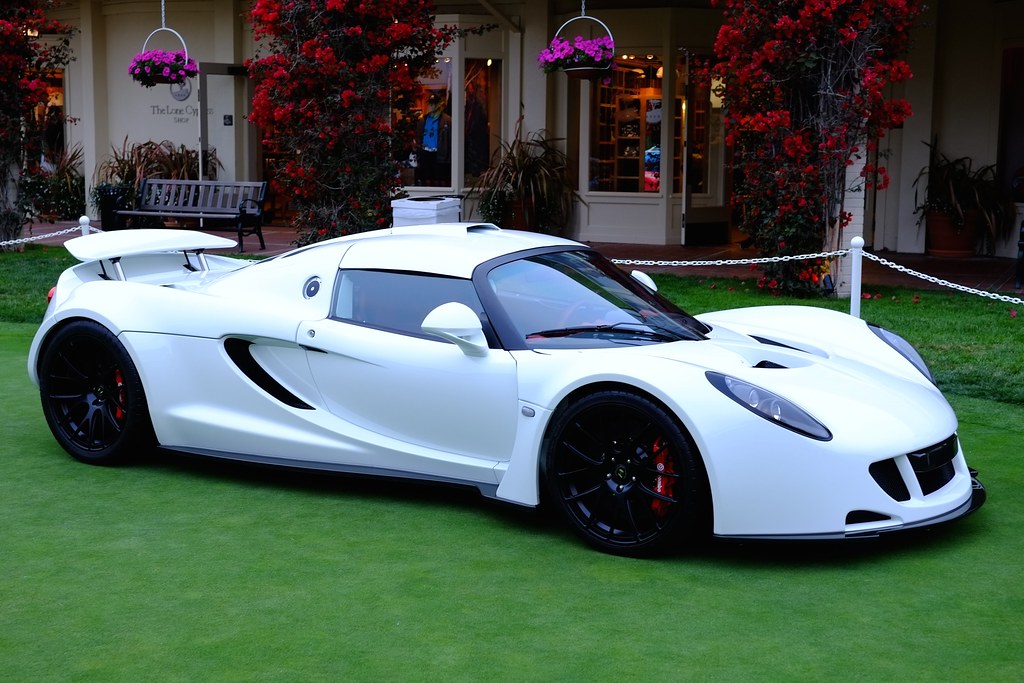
(435, 114)
(398, 301)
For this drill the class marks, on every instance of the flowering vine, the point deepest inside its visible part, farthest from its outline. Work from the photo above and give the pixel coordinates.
(24, 60)
(331, 75)
(806, 88)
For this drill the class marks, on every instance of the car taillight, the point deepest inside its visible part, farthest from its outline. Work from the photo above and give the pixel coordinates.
(49, 295)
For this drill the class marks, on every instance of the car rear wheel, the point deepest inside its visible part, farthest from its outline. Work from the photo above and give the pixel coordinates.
(92, 396)
(624, 474)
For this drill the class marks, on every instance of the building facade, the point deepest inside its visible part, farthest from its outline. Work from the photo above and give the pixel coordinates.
(647, 144)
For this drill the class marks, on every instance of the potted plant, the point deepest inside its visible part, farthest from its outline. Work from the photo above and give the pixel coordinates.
(964, 208)
(528, 185)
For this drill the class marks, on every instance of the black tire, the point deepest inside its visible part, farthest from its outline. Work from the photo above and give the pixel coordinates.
(625, 475)
(92, 396)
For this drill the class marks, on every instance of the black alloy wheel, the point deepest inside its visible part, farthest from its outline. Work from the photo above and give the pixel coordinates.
(92, 396)
(625, 474)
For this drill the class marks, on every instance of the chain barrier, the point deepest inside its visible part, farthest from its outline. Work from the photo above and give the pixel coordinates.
(83, 228)
(824, 255)
(733, 262)
(944, 283)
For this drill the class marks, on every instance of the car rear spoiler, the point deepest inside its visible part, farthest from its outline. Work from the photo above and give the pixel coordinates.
(113, 246)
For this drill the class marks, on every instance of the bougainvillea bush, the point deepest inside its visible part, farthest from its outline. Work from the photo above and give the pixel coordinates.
(806, 87)
(24, 59)
(330, 75)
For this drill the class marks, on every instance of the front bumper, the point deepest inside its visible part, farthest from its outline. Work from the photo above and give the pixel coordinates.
(977, 499)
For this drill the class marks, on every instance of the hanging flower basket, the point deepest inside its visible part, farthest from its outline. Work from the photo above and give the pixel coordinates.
(153, 67)
(581, 57)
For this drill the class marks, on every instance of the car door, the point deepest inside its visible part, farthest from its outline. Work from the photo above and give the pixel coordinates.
(376, 370)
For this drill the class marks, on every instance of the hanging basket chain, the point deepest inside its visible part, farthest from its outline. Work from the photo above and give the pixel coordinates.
(149, 69)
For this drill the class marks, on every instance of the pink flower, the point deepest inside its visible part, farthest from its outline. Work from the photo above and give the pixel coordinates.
(581, 52)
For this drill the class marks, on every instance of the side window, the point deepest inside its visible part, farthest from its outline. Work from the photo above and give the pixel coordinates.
(399, 301)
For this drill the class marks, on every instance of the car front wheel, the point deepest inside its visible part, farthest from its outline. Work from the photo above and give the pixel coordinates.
(92, 396)
(624, 474)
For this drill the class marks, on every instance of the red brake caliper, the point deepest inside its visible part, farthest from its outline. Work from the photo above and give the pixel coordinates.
(663, 485)
(121, 395)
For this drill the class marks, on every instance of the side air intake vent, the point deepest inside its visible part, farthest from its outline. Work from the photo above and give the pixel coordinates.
(238, 351)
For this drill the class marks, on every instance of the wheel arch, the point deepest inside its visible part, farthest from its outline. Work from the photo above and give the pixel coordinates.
(612, 385)
(44, 337)
(105, 380)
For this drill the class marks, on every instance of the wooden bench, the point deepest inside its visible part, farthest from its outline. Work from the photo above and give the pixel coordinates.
(214, 204)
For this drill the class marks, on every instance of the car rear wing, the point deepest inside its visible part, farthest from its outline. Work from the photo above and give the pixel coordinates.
(113, 246)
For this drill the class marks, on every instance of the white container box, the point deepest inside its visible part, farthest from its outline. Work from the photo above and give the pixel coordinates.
(425, 210)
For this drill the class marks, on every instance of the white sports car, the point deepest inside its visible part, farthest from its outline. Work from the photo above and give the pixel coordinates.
(527, 366)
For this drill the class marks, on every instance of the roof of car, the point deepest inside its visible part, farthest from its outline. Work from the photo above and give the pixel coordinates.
(453, 249)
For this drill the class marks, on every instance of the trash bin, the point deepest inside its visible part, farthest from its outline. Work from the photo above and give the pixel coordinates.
(424, 210)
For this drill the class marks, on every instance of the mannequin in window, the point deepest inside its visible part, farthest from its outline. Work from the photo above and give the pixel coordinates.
(434, 140)
(477, 132)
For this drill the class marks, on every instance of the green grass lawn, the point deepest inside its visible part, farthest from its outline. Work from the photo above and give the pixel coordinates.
(186, 570)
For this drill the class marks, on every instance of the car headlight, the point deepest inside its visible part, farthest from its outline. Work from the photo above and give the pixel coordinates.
(770, 406)
(904, 348)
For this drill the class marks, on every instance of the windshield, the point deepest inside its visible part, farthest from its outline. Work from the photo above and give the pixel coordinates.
(579, 299)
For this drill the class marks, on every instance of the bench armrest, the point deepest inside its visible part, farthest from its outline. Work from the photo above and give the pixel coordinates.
(250, 207)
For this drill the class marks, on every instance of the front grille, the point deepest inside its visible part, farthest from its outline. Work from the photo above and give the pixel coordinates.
(933, 468)
(934, 465)
(887, 475)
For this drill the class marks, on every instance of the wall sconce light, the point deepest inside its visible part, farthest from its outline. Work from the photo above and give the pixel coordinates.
(32, 32)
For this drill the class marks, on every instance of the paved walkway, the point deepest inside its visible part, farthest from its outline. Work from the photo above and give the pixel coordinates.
(985, 273)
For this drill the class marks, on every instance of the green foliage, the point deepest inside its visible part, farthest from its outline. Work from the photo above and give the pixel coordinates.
(124, 168)
(528, 184)
(25, 279)
(971, 197)
(56, 191)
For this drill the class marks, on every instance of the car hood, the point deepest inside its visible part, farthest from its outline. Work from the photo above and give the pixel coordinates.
(829, 364)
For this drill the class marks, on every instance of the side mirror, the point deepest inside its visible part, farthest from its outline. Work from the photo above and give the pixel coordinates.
(458, 324)
(644, 279)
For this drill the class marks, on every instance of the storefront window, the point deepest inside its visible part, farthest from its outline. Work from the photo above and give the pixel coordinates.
(483, 115)
(627, 133)
(430, 161)
(702, 116)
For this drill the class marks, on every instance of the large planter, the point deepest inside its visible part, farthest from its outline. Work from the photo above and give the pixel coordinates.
(517, 215)
(944, 238)
(110, 198)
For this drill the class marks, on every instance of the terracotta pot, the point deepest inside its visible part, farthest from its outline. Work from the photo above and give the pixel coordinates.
(947, 239)
(517, 215)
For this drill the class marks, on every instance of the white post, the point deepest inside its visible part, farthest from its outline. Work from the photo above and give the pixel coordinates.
(856, 256)
(83, 223)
